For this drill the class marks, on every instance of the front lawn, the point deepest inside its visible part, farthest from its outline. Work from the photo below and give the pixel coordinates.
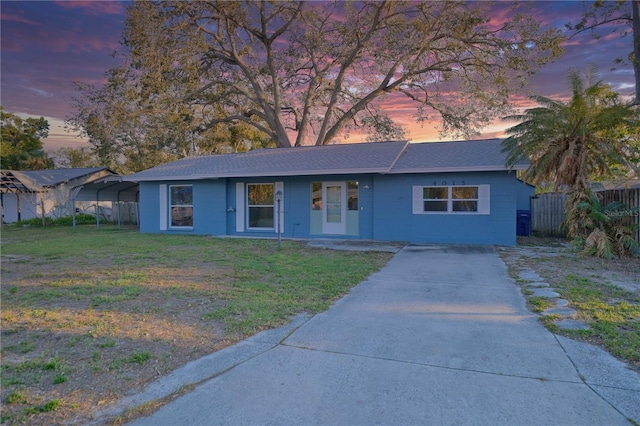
(90, 315)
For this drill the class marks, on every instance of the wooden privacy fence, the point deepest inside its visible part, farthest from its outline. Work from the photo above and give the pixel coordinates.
(628, 197)
(548, 214)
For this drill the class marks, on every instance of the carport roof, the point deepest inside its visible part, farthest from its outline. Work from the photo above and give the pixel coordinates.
(40, 180)
(109, 188)
(376, 157)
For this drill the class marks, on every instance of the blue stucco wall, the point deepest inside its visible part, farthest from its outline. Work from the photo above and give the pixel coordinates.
(209, 212)
(296, 205)
(149, 207)
(525, 192)
(385, 208)
(394, 218)
(209, 209)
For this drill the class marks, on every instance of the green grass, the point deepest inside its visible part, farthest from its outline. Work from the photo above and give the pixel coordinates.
(140, 357)
(613, 315)
(52, 405)
(33, 372)
(20, 348)
(540, 304)
(269, 285)
(106, 303)
(15, 398)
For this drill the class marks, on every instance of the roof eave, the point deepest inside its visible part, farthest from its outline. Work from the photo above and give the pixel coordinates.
(490, 168)
(495, 168)
(255, 174)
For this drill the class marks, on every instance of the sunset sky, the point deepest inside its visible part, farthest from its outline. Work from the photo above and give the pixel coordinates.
(47, 45)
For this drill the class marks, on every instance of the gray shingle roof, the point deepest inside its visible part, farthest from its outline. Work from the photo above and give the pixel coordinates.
(378, 157)
(478, 155)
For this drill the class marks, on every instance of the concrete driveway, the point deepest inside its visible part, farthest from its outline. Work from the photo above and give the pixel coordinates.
(439, 336)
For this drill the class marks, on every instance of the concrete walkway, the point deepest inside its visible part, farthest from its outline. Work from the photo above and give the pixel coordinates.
(439, 336)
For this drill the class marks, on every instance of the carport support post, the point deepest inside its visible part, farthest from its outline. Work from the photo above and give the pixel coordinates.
(74, 194)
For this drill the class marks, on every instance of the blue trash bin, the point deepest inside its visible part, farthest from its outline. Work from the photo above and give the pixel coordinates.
(523, 223)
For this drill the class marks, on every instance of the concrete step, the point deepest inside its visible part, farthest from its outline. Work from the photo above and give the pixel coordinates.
(571, 324)
(562, 312)
(545, 292)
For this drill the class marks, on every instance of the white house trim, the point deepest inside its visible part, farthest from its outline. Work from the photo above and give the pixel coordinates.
(164, 206)
(240, 207)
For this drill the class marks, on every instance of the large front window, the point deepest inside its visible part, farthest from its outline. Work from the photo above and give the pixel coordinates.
(260, 202)
(451, 199)
(181, 205)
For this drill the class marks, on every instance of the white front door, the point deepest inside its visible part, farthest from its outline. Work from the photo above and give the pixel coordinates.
(334, 208)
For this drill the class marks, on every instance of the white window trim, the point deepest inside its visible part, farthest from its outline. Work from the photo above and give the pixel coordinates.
(242, 204)
(164, 207)
(484, 200)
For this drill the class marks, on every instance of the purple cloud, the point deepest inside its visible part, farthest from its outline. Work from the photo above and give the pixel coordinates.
(93, 7)
(48, 45)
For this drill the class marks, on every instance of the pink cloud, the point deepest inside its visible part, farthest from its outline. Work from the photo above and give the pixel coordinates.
(93, 7)
(499, 16)
(17, 18)
(72, 39)
(11, 45)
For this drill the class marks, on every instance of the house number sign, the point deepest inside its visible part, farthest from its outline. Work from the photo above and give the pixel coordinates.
(446, 183)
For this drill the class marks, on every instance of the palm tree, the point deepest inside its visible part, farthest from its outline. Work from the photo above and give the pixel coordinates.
(569, 142)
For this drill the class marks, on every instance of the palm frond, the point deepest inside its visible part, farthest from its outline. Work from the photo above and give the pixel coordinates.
(598, 243)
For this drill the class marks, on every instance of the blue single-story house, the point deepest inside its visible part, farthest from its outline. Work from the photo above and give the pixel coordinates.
(438, 192)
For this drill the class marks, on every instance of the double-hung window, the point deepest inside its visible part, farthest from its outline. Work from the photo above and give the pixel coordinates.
(436, 199)
(467, 199)
(260, 204)
(464, 199)
(181, 205)
(256, 206)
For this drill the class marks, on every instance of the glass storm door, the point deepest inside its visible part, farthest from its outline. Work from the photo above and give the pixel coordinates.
(334, 209)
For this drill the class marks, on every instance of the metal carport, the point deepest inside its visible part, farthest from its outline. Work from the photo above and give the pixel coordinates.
(110, 188)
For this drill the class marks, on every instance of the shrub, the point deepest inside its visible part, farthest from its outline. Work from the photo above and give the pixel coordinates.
(36, 221)
(608, 234)
(81, 219)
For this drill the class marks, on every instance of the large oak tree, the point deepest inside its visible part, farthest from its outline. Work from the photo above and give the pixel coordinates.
(305, 73)
(620, 18)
